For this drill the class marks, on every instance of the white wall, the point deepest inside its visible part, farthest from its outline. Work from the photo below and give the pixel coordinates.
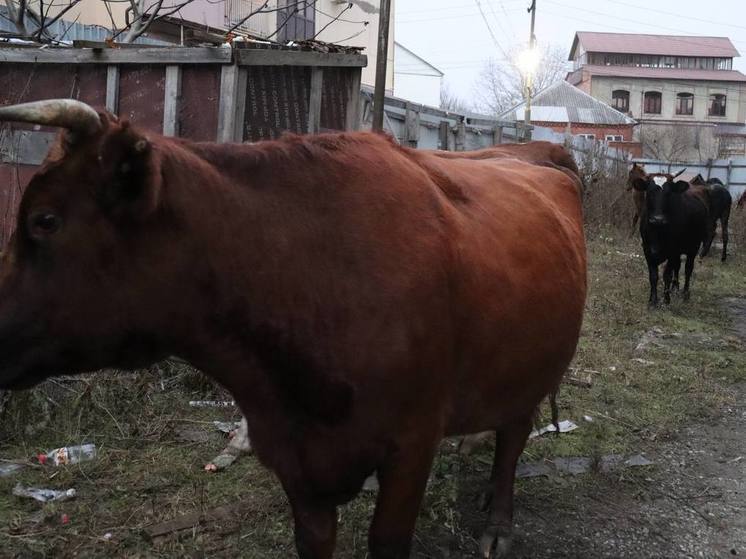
(419, 89)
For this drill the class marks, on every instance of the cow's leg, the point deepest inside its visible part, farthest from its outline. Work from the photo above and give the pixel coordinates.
(402, 481)
(634, 222)
(672, 264)
(676, 270)
(711, 228)
(509, 442)
(724, 233)
(315, 529)
(688, 268)
(653, 277)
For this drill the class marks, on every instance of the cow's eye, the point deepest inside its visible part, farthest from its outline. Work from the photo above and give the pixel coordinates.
(43, 224)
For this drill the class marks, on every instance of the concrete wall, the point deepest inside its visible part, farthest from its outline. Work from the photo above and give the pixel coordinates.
(602, 87)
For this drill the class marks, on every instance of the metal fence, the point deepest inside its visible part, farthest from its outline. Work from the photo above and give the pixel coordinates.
(732, 172)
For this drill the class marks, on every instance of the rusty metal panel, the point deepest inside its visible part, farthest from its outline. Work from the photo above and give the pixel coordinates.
(141, 94)
(198, 107)
(13, 181)
(334, 98)
(25, 146)
(276, 101)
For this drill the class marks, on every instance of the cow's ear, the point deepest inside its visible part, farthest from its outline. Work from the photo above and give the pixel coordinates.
(679, 186)
(130, 172)
(640, 184)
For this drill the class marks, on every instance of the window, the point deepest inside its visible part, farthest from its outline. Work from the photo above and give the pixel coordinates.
(652, 102)
(684, 104)
(295, 22)
(620, 100)
(588, 136)
(614, 138)
(717, 104)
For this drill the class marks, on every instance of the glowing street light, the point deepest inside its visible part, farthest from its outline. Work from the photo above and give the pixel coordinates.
(528, 61)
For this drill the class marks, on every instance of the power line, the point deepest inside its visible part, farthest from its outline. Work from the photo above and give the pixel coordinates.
(457, 7)
(692, 18)
(443, 18)
(637, 22)
(489, 28)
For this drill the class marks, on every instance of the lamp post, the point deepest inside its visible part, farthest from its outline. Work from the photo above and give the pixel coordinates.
(528, 61)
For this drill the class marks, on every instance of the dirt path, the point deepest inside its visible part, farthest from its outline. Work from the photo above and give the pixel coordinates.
(692, 504)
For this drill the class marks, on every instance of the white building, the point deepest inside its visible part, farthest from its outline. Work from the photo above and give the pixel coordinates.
(415, 79)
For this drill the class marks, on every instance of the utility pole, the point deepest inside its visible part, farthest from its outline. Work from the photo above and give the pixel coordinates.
(529, 76)
(381, 59)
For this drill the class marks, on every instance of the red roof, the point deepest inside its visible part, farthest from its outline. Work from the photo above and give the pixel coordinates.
(667, 45)
(664, 73)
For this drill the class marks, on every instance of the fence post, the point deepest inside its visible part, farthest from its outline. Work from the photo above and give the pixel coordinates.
(709, 168)
(172, 93)
(227, 104)
(730, 170)
(444, 130)
(314, 100)
(112, 89)
(353, 116)
(411, 126)
(497, 138)
(461, 135)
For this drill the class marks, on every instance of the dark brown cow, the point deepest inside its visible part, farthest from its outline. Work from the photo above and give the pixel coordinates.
(360, 300)
(534, 152)
(636, 174)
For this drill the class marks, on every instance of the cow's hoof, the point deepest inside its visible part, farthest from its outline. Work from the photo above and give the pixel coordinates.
(685, 295)
(652, 305)
(495, 543)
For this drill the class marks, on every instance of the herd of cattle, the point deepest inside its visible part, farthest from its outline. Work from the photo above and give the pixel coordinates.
(361, 300)
(678, 218)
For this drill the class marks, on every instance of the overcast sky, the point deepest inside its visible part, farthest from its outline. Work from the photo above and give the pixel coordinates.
(453, 36)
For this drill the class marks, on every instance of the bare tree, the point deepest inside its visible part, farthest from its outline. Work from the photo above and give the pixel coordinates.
(32, 19)
(451, 102)
(667, 142)
(502, 85)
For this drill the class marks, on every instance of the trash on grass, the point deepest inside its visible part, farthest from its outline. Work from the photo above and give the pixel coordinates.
(69, 455)
(9, 468)
(212, 403)
(576, 379)
(588, 418)
(580, 465)
(643, 362)
(565, 426)
(43, 495)
(226, 427)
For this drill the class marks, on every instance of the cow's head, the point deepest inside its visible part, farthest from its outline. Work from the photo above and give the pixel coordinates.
(661, 195)
(90, 252)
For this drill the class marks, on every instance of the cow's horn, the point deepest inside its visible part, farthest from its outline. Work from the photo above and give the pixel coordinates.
(680, 172)
(66, 113)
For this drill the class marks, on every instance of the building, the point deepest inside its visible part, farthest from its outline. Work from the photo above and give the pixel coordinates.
(678, 88)
(565, 108)
(350, 23)
(415, 79)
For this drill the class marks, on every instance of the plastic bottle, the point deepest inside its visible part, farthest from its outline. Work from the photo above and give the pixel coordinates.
(69, 454)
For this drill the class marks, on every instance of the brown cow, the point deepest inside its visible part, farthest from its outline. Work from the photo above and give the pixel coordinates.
(360, 300)
(636, 174)
(534, 152)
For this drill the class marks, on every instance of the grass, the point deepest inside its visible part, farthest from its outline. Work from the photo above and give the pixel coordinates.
(146, 471)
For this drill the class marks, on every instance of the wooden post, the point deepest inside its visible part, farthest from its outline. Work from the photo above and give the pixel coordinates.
(411, 126)
(709, 168)
(314, 100)
(172, 94)
(461, 136)
(112, 89)
(497, 137)
(383, 50)
(243, 77)
(444, 131)
(227, 103)
(729, 171)
(352, 117)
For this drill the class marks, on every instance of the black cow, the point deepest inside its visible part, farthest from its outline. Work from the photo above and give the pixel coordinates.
(720, 204)
(674, 221)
